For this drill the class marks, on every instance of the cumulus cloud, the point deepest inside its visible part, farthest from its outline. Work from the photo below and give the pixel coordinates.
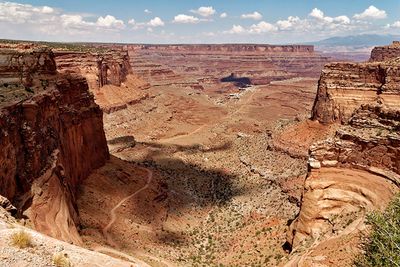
(395, 24)
(259, 28)
(185, 19)
(237, 29)
(110, 21)
(156, 22)
(290, 23)
(25, 21)
(262, 27)
(223, 15)
(204, 11)
(21, 13)
(255, 15)
(371, 13)
(147, 11)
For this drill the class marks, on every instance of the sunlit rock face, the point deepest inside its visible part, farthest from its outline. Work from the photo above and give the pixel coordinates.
(358, 169)
(51, 137)
(344, 87)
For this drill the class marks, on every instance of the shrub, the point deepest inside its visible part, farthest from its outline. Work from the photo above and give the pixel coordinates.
(61, 260)
(21, 239)
(382, 247)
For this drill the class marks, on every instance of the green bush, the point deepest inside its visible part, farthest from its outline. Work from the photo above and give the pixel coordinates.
(382, 247)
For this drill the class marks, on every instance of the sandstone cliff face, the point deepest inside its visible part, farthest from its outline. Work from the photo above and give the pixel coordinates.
(356, 171)
(51, 139)
(110, 67)
(384, 53)
(344, 87)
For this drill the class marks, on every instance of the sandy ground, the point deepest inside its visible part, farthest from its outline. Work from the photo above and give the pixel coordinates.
(220, 192)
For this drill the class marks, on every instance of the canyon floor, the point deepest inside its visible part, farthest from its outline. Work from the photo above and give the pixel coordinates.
(224, 181)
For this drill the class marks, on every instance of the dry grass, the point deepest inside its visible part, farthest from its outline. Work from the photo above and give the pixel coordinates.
(21, 239)
(61, 260)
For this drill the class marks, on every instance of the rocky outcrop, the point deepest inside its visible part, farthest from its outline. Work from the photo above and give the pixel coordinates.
(344, 87)
(110, 67)
(384, 53)
(357, 170)
(51, 137)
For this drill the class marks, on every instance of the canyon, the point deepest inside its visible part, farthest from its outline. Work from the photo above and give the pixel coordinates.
(144, 155)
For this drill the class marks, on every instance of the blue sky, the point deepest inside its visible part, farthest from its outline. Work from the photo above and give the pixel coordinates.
(183, 21)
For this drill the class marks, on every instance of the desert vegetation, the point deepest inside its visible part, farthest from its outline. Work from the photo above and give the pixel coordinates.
(21, 239)
(382, 247)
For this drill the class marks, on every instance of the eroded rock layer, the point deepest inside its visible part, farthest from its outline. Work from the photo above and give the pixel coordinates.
(356, 171)
(51, 137)
(344, 87)
(384, 53)
(110, 67)
(202, 66)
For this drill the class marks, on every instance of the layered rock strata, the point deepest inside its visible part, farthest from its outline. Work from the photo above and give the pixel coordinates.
(344, 87)
(356, 171)
(110, 67)
(51, 137)
(384, 53)
(202, 66)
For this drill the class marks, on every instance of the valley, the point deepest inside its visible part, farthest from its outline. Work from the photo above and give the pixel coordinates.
(161, 162)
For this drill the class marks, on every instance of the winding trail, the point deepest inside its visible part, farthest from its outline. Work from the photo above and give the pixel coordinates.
(113, 214)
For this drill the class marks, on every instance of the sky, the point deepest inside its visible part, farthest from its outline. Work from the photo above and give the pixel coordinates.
(196, 21)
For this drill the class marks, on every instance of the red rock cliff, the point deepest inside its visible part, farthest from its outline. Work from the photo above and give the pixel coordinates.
(110, 67)
(344, 87)
(51, 137)
(384, 53)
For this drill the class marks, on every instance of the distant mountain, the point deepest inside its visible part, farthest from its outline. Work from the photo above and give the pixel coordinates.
(354, 44)
(364, 40)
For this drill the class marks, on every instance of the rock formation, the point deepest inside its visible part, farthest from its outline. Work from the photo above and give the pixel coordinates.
(202, 66)
(344, 87)
(51, 137)
(384, 53)
(110, 67)
(358, 169)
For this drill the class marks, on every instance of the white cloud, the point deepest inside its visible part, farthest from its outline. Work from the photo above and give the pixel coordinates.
(73, 20)
(342, 19)
(320, 18)
(223, 15)
(317, 13)
(21, 13)
(262, 27)
(237, 29)
(110, 21)
(156, 22)
(289, 24)
(182, 18)
(395, 24)
(132, 22)
(371, 13)
(255, 15)
(204, 11)
(47, 10)
(147, 11)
